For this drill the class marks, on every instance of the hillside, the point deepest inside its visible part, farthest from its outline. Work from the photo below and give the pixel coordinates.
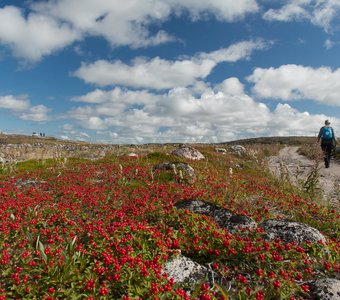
(22, 147)
(288, 140)
(155, 224)
(23, 139)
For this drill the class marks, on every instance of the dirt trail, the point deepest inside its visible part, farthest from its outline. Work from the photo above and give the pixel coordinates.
(298, 167)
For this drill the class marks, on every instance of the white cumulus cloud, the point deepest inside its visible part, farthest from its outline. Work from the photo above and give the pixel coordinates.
(296, 82)
(155, 73)
(14, 103)
(21, 107)
(319, 12)
(48, 26)
(219, 113)
(34, 36)
(158, 73)
(38, 113)
(292, 10)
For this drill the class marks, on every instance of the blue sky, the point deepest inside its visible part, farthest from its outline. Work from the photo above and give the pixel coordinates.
(169, 71)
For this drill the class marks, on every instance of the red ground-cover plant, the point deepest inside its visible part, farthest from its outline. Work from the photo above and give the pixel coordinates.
(103, 230)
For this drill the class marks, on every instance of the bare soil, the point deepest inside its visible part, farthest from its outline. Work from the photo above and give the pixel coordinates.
(297, 169)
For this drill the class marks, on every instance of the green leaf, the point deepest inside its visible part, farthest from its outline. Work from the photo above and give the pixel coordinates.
(42, 251)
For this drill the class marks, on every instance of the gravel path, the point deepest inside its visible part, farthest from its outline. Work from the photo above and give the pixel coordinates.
(297, 168)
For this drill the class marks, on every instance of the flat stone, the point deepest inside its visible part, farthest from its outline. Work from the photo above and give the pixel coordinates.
(222, 216)
(289, 231)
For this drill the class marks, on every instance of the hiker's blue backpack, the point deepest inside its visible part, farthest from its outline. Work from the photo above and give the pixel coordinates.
(327, 133)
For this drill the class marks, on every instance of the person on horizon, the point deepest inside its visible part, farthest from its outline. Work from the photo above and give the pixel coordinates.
(327, 137)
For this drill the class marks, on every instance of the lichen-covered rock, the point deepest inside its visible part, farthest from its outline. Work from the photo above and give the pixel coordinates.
(289, 231)
(239, 150)
(184, 270)
(222, 216)
(29, 183)
(325, 289)
(188, 152)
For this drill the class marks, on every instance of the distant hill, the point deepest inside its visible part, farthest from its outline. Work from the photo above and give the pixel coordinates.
(26, 139)
(286, 140)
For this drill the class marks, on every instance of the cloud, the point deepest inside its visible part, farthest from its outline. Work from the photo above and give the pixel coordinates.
(296, 82)
(155, 73)
(112, 102)
(34, 36)
(22, 108)
(69, 133)
(98, 15)
(325, 12)
(45, 27)
(329, 44)
(119, 22)
(36, 113)
(287, 121)
(319, 12)
(231, 86)
(158, 73)
(48, 26)
(13, 103)
(236, 52)
(293, 10)
(219, 113)
(225, 10)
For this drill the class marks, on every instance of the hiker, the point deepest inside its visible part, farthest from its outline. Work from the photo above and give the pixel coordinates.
(328, 141)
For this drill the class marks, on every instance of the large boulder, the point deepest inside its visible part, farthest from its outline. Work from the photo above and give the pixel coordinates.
(325, 289)
(188, 152)
(289, 231)
(222, 216)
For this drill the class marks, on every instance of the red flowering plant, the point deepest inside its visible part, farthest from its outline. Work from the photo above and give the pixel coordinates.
(104, 230)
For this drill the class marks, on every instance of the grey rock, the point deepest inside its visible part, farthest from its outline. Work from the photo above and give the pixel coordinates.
(221, 150)
(188, 152)
(325, 289)
(185, 270)
(222, 216)
(239, 150)
(29, 183)
(289, 231)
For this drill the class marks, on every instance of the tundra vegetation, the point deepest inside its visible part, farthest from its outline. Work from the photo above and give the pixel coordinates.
(103, 229)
